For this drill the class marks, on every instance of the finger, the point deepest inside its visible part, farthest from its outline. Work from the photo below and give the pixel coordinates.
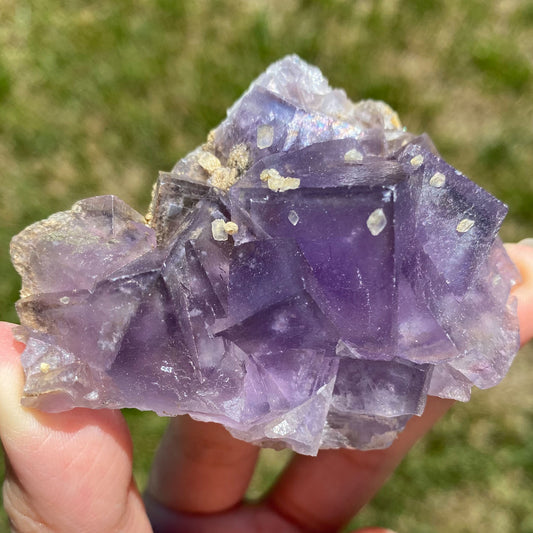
(242, 519)
(322, 493)
(245, 519)
(68, 471)
(522, 256)
(200, 468)
(373, 530)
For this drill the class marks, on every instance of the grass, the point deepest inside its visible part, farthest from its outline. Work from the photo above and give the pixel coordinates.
(96, 97)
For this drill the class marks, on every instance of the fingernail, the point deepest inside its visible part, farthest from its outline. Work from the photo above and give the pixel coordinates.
(527, 242)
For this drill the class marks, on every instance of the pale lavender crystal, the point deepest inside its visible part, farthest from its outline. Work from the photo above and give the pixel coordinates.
(306, 278)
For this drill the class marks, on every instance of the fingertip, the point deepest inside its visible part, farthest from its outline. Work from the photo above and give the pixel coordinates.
(522, 256)
(10, 348)
(14, 419)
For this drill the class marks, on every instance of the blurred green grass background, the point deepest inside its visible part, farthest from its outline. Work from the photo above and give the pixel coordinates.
(96, 97)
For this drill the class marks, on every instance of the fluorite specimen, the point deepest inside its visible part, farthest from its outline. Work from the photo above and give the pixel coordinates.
(306, 278)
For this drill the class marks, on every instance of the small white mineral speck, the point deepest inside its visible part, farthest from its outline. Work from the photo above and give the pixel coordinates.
(376, 222)
(239, 157)
(218, 229)
(231, 228)
(265, 136)
(223, 178)
(269, 173)
(64, 300)
(276, 182)
(209, 162)
(353, 156)
(283, 184)
(293, 217)
(209, 144)
(437, 180)
(417, 161)
(465, 225)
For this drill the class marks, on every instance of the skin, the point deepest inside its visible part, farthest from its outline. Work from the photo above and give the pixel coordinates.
(73, 471)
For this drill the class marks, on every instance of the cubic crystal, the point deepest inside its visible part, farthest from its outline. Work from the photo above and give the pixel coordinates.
(306, 278)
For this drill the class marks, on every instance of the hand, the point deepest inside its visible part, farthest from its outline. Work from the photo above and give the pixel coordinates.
(73, 471)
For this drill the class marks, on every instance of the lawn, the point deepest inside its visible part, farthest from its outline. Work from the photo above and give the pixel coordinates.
(96, 97)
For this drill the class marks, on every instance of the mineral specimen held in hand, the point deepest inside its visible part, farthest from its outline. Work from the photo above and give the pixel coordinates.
(306, 278)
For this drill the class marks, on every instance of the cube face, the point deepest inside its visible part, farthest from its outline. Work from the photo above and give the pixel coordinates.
(456, 220)
(262, 117)
(350, 270)
(380, 388)
(305, 277)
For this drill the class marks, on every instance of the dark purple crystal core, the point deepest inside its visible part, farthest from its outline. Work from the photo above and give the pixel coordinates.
(306, 278)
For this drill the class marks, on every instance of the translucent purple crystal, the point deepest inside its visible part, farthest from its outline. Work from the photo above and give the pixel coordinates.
(306, 278)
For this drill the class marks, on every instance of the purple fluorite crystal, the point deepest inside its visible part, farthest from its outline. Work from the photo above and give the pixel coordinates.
(306, 278)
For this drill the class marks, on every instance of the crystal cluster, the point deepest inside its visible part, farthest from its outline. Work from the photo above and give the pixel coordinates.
(306, 278)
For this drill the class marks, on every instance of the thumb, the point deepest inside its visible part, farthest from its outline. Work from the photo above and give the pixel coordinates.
(68, 471)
